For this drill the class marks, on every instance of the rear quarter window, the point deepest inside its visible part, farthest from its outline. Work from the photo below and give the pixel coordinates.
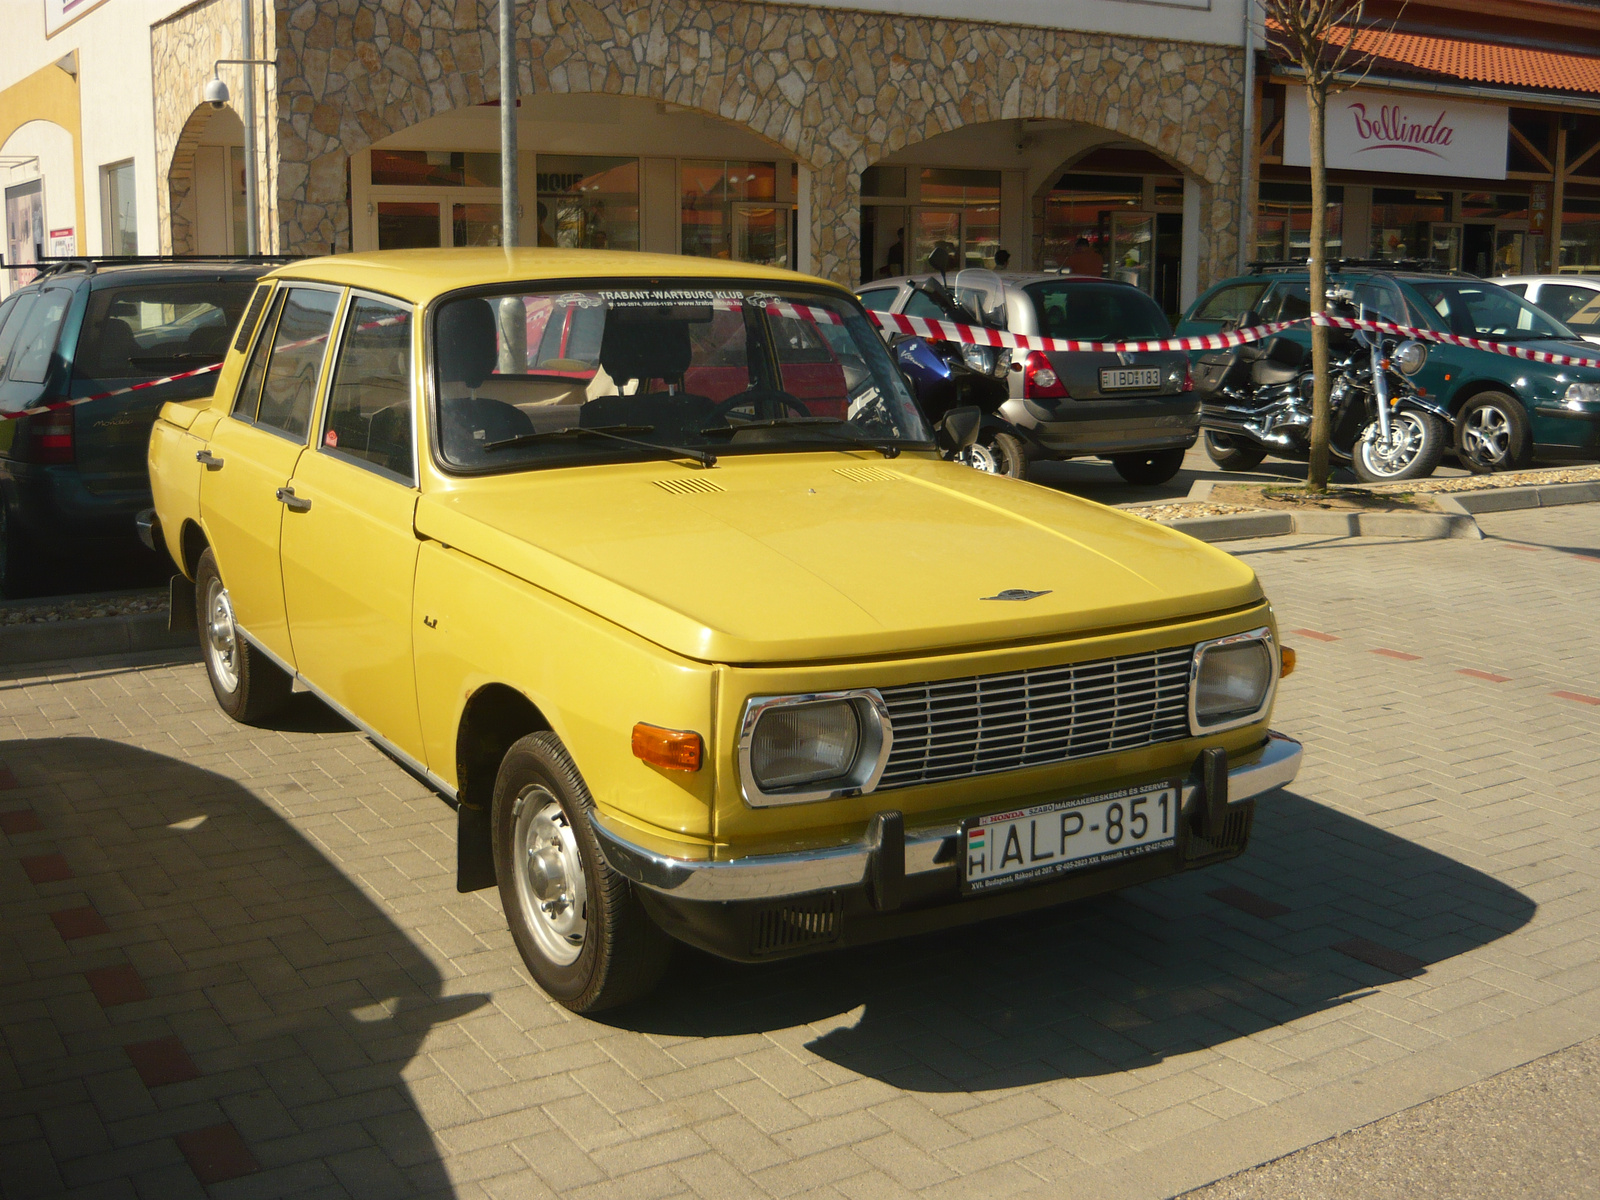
(1229, 303)
(39, 330)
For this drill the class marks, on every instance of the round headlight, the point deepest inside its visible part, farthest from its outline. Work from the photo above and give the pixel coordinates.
(804, 743)
(979, 358)
(1232, 682)
(1409, 357)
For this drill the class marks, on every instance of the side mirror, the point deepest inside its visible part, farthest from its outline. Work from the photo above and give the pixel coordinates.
(959, 429)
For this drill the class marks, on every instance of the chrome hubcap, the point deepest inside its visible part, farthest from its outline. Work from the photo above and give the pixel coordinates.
(551, 887)
(1487, 435)
(221, 637)
(1406, 437)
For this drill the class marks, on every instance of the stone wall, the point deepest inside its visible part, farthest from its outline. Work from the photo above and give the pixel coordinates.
(837, 89)
(183, 50)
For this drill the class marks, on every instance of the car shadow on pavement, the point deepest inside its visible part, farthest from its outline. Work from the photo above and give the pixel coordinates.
(249, 1010)
(1122, 981)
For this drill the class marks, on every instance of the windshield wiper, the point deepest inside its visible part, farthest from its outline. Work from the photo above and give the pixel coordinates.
(887, 449)
(611, 432)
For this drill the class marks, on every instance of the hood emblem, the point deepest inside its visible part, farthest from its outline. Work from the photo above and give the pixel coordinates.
(1017, 594)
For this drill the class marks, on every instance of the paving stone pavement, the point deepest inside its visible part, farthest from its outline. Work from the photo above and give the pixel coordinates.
(232, 960)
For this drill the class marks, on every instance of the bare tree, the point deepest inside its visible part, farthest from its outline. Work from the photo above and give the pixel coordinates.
(1332, 43)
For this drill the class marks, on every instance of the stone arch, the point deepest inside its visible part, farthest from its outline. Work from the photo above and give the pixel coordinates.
(838, 89)
(203, 122)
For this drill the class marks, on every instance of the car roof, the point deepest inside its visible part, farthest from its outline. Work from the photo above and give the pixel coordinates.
(420, 275)
(1015, 278)
(103, 274)
(1569, 277)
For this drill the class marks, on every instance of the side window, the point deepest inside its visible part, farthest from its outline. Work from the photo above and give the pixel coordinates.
(1289, 301)
(879, 299)
(36, 337)
(249, 393)
(13, 316)
(1521, 289)
(1229, 303)
(369, 406)
(1570, 303)
(921, 305)
(1380, 299)
(298, 346)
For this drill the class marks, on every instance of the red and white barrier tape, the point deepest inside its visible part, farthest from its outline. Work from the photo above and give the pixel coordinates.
(974, 335)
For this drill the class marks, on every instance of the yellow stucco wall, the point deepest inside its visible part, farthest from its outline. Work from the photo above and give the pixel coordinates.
(49, 94)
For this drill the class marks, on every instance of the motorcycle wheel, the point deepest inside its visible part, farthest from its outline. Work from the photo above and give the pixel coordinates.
(979, 457)
(1009, 455)
(1492, 434)
(1418, 443)
(1150, 468)
(1233, 453)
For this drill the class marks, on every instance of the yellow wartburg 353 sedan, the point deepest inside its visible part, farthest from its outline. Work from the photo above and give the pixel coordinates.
(652, 567)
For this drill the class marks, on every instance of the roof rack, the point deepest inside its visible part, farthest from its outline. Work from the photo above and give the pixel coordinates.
(1264, 267)
(90, 263)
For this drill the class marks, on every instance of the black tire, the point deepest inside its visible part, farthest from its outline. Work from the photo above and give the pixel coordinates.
(1149, 468)
(19, 565)
(597, 948)
(1010, 455)
(1233, 453)
(1422, 445)
(1492, 434)
(248, 685)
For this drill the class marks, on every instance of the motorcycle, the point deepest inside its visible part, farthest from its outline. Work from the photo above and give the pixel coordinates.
(1256, 400)
(949, 375)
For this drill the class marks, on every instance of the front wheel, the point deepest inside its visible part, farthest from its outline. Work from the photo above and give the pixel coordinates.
(1415, 446)
(248, 685)
(1149, 468)
(1232, 453)
(1492, 434)
(579, 927)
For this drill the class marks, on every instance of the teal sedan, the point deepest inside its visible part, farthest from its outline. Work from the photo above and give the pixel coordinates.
(1508, 411)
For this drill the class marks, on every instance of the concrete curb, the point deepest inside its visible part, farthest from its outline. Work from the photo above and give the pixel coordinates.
(90, 637)
(1456, 521)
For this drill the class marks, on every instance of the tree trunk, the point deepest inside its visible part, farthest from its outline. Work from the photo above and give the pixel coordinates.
(1317, 103)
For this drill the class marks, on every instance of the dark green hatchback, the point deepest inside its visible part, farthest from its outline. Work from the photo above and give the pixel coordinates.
(1508, 410)
(72, 480)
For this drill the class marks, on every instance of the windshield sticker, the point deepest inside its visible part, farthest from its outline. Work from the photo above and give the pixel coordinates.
(656, 297)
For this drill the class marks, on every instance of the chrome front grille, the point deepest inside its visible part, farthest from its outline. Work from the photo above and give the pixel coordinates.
(986, 723)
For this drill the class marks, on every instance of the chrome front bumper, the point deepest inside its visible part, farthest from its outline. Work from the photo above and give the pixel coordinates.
(927, 848)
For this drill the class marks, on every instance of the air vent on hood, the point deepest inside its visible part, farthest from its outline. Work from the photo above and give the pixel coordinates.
(867, 474)
(688, 486)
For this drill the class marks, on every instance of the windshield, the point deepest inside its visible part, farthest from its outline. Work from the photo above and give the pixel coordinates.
(1096, 312)
(726, 369)
(1475, 309)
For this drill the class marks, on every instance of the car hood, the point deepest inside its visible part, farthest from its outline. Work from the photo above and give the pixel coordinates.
(799, 557)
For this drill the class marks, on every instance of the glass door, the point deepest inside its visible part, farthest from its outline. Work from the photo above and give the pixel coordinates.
(1133, 243)
(934, 227)
(1443, 244)
(409, 225)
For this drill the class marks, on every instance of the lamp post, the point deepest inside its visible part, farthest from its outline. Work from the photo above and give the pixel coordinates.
(508, 124)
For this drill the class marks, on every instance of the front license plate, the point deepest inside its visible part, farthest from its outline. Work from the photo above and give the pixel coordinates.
(1121, 379)
(1037, 843)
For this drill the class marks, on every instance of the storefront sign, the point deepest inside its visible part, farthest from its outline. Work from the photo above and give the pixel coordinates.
(58, 14)
(62, 243)
(1408, 135)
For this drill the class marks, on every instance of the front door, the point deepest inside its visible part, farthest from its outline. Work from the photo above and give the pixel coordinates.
(1133, 249)
(349, 545)
(251, 459)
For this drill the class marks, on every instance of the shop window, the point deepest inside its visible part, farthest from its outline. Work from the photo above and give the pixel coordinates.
(973, 198)
(1580, 235)
(408, 224)
(1402, 223)
(436, 168)
(119, 209)
(1283, 222)
(1082, 207)
(888, 183)
(729, 212)
(1485, 206)
(587, 202)
(475, 224)
(1169, 193)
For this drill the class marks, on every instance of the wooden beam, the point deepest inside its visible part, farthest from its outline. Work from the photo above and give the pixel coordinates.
(1538, 155)
(1558, 198)
(1272, 134)
(1572, 167)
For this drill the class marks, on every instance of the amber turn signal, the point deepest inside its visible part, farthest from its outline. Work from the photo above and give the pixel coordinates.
(670, 749)
(1285, 669)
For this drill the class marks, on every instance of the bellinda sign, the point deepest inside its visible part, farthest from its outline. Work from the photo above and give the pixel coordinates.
(1405, 134)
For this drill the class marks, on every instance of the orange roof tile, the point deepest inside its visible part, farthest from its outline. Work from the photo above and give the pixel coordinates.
(1479, 62)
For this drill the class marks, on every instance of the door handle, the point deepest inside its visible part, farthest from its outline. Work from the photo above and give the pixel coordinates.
(292, 502)
(208, 458)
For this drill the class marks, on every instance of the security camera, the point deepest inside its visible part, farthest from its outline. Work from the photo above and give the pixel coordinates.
(216, 93)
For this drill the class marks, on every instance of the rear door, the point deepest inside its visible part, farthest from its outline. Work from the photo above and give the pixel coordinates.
(349, 545)
(252, 455)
